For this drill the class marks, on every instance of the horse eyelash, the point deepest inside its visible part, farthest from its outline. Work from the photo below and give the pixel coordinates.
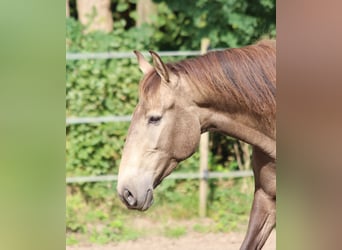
(154, 119)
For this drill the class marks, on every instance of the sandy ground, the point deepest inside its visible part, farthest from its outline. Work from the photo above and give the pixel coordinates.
(190, 241)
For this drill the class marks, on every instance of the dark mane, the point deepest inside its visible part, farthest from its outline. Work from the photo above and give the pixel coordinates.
(246, 75)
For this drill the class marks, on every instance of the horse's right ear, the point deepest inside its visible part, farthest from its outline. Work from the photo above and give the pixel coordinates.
(144, 65)
(160, 66)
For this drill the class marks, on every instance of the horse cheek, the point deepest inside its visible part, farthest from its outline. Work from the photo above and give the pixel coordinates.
(186, 138)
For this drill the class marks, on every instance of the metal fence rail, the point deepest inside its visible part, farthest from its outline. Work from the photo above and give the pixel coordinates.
(178, 176)
(97, 119)
(118, 55)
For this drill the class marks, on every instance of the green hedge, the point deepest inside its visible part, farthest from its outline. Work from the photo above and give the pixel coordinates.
(181, 24)
(96, 88)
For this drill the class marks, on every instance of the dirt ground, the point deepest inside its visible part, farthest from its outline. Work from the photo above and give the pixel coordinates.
(190, 241)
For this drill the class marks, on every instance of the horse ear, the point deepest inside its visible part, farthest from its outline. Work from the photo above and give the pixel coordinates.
(160, 66)
(144, 65)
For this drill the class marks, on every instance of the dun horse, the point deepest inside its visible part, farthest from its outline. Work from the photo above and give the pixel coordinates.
(232, 92)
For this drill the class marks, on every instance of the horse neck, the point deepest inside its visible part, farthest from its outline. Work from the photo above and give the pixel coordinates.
(234, 98)
(243, 124)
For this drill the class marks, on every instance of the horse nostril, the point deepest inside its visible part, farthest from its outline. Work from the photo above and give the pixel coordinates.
(129, 198)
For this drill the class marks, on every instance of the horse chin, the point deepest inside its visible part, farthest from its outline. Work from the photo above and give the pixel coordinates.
(164, 174)
(157, 182)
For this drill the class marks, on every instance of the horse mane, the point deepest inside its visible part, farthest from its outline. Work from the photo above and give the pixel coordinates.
(245, 76)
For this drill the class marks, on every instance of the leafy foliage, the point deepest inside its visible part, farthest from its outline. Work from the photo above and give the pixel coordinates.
(99, 88)
(230, 203)
(229, 23)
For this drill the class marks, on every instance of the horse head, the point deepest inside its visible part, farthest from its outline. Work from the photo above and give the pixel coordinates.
(164, 131)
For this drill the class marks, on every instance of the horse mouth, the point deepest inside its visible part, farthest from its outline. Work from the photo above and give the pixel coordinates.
(148, 201)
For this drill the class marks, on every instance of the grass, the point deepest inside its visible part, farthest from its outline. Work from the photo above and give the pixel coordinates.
(174, 232)
(109, 234)
(71, 240)
(202, 228)
(108, 220)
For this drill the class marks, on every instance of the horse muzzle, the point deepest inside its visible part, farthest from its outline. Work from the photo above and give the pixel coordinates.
(134, 200)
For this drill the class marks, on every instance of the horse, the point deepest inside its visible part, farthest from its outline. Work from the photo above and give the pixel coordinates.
(230, 91)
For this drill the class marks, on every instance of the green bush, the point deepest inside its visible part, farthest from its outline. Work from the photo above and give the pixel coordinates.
(226, 23)
(230, 202)
(99, 88)
(75, 221)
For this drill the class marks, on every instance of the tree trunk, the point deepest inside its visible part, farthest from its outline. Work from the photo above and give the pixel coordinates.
(145, 9)
(67, 8)
(95, 15)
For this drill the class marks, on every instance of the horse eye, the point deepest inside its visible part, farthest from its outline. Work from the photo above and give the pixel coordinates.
(154, 119)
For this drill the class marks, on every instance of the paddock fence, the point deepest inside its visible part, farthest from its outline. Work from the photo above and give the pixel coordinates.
(177, 176)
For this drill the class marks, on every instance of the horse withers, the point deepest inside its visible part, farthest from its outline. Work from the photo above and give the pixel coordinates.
(230, 91)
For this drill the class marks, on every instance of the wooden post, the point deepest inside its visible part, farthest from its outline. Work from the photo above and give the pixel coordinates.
(204, 147)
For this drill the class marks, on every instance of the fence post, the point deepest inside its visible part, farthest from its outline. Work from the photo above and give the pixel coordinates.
(204, 145)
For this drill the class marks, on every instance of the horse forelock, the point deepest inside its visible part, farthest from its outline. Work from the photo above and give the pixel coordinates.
(149, 86)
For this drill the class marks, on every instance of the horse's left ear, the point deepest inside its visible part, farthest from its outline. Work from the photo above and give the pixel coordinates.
(160, 66)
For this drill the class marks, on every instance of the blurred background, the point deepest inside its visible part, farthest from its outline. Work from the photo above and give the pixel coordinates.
(102, 79)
